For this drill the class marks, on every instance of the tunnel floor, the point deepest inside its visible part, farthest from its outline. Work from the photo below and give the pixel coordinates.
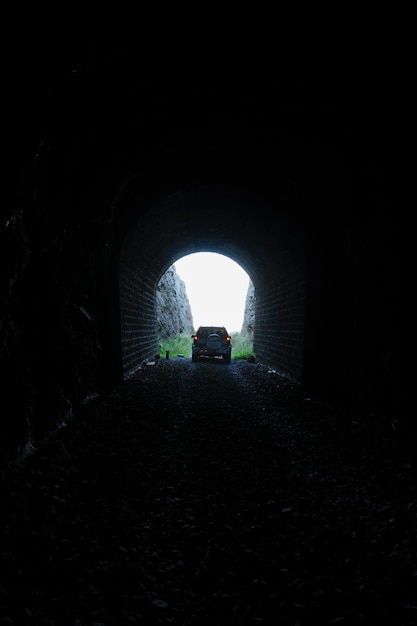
(212, 494)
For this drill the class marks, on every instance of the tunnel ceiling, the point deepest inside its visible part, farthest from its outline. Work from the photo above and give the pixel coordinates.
(212, 219)
(122, 130)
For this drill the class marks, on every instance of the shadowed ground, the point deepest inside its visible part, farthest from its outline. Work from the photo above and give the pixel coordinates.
(212, 494)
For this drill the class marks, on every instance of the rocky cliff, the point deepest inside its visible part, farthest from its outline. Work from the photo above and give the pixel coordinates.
(173, 309)
(249, 315)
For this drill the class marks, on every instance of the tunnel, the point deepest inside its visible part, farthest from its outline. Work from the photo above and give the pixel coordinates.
(209, 219)
(119, 168)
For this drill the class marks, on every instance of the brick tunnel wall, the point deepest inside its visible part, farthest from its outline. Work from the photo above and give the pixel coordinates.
(279, 323)
(138, 328)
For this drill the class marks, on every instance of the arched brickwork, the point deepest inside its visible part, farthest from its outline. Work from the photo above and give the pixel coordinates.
(215, 220)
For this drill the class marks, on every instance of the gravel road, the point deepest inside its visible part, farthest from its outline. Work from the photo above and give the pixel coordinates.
(211, 494)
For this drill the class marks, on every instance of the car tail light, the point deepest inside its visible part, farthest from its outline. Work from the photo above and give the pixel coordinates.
(195, 337)
(228, 338)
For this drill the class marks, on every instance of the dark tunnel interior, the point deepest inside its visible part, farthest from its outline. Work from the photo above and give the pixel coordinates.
(120, 167)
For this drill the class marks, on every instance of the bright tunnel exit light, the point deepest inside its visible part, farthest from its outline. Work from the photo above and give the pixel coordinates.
(216, 287)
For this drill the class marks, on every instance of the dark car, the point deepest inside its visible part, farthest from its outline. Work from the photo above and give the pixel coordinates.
(212, 342)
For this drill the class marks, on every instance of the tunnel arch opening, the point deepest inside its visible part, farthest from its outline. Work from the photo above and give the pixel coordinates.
(216, 288)
(181, 223)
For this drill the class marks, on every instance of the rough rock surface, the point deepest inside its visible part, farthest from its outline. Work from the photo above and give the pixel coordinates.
(208, 494)
(248, 325)
(173, 309)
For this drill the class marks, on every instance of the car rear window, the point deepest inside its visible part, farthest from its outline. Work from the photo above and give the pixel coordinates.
(203, 331)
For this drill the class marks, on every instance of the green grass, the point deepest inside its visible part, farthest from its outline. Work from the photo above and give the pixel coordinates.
(242, 346)
(181, 344)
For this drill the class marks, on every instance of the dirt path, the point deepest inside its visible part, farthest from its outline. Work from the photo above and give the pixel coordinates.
(212, 494)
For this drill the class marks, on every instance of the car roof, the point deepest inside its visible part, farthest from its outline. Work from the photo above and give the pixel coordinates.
(212, 328)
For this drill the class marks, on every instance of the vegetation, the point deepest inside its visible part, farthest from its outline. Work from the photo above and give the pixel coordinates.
(242, 346)
(181, 344)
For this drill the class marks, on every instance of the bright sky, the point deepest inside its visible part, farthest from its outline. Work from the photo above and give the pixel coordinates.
(216, 287)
